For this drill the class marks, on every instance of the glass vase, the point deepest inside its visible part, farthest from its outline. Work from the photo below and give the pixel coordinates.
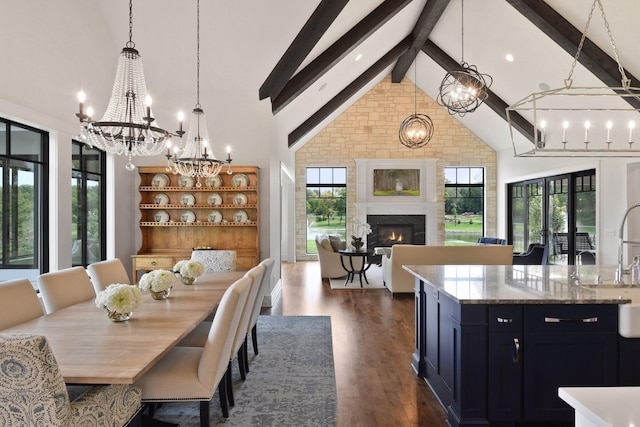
(160, 294)
(187, 280)
(119, 317)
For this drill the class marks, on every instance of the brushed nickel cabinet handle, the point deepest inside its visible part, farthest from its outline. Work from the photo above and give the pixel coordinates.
(154, 263)
(561, 320)
(516, 350)
(504, 320)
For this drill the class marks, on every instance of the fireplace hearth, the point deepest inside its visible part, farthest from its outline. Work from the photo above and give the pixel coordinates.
(388, 230)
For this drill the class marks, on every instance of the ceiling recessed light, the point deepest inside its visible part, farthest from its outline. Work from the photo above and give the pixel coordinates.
(322, 86)
(509, 57)
(543, 86)
(358, 57)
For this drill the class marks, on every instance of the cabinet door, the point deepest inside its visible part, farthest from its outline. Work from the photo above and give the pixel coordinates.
(565, 360)
(505, 376)
(629, 374)
(505, 363)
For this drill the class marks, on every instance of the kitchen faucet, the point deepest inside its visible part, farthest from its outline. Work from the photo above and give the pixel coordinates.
(620, 271)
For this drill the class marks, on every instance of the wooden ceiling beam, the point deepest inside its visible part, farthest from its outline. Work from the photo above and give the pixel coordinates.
(568, 37)
(493, 101)
(427, 21)
(336, 52)
(344, 95)
(315, 27)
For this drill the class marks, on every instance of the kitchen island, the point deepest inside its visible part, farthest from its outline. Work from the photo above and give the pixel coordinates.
(494, 343)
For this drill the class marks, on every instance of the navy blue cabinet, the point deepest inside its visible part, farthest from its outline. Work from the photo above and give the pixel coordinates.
(491, 364)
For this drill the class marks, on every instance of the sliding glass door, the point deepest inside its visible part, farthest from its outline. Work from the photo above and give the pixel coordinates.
(558, 211)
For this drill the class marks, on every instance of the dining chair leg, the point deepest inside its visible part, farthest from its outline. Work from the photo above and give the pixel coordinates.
(204, 414)
(222, 391)
(245, 349)
(254, 338)
(229, 379)
(241, 363)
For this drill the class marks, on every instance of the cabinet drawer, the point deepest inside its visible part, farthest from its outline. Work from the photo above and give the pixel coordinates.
(571, 318)
(505, 318)
(154, 263)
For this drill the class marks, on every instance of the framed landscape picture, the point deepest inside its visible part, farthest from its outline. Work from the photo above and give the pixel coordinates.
(396, 182)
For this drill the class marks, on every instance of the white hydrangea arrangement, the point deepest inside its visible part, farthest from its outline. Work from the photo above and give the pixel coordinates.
(119, 298)
(188, 268)
(157, 281)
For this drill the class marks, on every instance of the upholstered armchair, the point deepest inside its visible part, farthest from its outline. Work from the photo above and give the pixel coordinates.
(536, 254)
(33, 392)
(328, 247)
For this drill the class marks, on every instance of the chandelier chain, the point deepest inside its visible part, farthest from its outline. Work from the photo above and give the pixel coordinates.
(624, 79)
(198, 56)
(130, 43)
(462, 28)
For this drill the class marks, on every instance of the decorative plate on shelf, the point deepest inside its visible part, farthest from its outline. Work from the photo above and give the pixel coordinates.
(214, 181)
(240, 180)
(240, 216)
(188, 216)
(240, 199)
(214, 199)
(188, 199)
(215, 216)
(160, 180)
(162, 216)
(185, 181)
(161, 199)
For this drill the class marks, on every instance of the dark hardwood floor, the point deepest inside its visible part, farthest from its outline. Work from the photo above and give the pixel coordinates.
(372, 346)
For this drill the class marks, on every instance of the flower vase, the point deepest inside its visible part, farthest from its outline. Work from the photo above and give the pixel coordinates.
(357, 244)
(160, 294)
(187, 280)
(119, 317)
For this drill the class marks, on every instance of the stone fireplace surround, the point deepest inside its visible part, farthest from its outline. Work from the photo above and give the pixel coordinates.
(424, 204)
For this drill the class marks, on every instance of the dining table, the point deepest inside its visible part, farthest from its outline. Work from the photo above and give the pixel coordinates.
(91, 349)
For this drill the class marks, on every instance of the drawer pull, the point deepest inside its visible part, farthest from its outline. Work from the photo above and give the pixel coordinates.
(516, 350)
(154, 263)
(561, 320)
(504, 320)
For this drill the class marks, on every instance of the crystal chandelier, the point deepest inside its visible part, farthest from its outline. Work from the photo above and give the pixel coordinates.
(195, 161)
(127, 125)
(463, 90)
(417, 129)
(580, 121)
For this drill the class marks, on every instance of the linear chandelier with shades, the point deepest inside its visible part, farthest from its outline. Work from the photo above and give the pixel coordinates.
(463, 90)
(581, 121)
(127, 127)
(195, 159)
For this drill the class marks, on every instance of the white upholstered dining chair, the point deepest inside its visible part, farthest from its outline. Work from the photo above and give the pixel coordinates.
(194, 373)
(33, 392)
(60, 289)
(105, 273)
(257, 305)
(19, 303)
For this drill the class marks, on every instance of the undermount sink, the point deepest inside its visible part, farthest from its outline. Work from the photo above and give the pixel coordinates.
(628, 314)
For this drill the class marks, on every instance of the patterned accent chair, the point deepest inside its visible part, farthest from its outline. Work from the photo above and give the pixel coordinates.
(215, 261)
(33, 392)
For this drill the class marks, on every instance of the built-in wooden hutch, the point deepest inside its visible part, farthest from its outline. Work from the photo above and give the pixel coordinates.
(177, 215)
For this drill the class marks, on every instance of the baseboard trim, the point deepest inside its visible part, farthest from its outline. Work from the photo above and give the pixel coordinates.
(274, 295)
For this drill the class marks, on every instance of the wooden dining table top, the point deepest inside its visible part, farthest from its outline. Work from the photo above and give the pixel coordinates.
(91, 349)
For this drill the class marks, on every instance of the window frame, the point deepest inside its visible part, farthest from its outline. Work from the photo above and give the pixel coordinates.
(333, 184)
(83, 173)
(459, 185)
(40, 200)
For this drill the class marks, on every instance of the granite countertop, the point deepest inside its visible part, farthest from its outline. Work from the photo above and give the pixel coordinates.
(520, 284)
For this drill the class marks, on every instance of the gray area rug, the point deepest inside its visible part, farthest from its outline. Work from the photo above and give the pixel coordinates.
(290, 383)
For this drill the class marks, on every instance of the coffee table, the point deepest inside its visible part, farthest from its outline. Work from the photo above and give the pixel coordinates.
(350, 269)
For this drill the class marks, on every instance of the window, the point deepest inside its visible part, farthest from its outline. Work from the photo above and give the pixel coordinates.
(23, 202)
(558, 211)
(463, 205)
(326, 203)
(88, 201)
